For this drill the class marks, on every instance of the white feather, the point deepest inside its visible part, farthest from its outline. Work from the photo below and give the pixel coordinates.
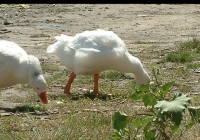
(17, 67)
(91, 52)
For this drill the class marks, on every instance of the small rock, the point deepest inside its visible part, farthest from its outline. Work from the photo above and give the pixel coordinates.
(197, 71)
(6, 22)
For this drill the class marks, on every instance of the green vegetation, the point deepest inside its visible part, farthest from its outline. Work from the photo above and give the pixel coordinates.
(163, 116)
(185, 52)
(26, 108)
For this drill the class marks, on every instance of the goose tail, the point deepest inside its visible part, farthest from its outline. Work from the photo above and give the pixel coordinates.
(62, 41)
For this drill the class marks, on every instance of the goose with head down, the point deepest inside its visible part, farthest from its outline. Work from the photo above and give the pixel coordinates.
(91, 52)
(17, 67)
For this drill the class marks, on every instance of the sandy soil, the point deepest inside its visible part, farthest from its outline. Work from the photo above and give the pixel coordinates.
(34, 26)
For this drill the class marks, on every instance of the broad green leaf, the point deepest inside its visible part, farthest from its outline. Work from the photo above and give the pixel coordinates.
(144, 87)
(139, 122)
(149, 99)
(184, 99)
(137, 95)
(120, 120)
(173, 109)
(164, 88)
(149, 131)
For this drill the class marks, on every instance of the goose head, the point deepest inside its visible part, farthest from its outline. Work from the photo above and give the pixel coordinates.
(131, 64)
(36, 79)
(142, 78)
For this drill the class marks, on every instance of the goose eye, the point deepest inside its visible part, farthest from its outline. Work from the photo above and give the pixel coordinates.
(37, 87)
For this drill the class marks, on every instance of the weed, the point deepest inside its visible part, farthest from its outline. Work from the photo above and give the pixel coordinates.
(164, 113)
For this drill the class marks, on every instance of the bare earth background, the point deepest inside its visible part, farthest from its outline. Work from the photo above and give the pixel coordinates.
(141, 26)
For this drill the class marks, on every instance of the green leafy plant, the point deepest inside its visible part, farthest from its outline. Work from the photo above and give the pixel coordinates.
(163, 116)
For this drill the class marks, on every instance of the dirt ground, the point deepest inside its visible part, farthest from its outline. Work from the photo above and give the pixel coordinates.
(34, 26)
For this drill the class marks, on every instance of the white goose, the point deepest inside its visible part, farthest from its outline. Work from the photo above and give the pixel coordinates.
(91, 52)
(17, 67)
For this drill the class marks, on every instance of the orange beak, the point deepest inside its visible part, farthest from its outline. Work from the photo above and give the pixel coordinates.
(43, 97)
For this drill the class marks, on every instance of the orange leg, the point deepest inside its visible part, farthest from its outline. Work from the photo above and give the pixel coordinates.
(68, 86)
(96, 86)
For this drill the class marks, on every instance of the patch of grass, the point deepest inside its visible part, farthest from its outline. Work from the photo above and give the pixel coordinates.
(193, 65)
(23, 86)
(185, 52)
(181, 72)
(180, 56)
(59, 77)
(84, 79)
(26, 108)
(87, 119)
(184, 88)
(59, 97)
(193, 44)
(49, 67)
(112, 75)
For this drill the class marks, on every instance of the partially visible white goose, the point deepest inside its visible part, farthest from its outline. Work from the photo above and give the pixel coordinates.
(91, 52)
(17, 67)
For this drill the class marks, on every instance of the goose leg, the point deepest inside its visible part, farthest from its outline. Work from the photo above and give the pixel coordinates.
(96, 86)
(68, 86)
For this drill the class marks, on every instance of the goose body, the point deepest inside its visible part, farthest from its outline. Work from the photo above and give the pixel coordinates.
(17, 67)
(91, 52)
